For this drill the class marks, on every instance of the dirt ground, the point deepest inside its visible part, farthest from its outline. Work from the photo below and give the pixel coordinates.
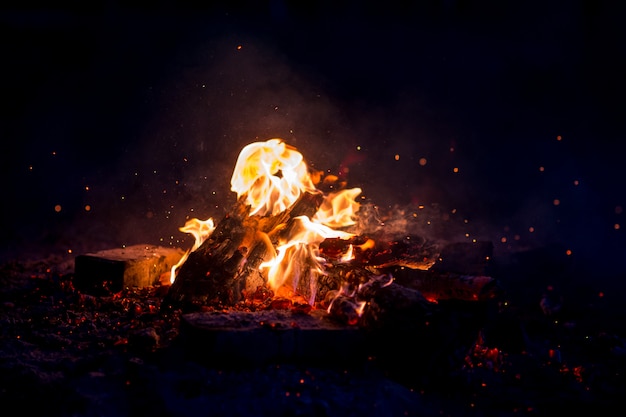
(539, 351)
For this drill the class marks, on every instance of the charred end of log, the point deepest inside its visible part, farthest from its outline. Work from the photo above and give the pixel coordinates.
(394, 307)
(411, 251)
(439, 285)
(209, 275)
(205, 280)
(382, 251)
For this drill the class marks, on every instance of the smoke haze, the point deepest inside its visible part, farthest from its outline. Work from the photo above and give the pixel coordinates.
(502, 127)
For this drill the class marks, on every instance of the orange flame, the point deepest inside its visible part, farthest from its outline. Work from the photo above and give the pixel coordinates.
(271, 176)
(300, 254)
(200, 229)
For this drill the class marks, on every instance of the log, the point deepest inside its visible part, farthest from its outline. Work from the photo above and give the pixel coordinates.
(439, 285)
(413, 338)
(393, 306)
(380, 251)
(227, 263)
(461, 273)
(398, 327)
(399, 330)
(111, 270)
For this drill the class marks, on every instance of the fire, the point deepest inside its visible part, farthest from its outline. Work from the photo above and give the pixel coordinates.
(338, 209)
(299, 255)
(271, 176)
(201, 230)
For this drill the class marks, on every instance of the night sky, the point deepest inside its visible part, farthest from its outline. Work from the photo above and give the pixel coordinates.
(130, 118)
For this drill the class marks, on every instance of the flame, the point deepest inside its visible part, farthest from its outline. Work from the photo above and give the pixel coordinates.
(272, 175)
(349, 255)
(338, 209)
(201, 230)
(299, 254)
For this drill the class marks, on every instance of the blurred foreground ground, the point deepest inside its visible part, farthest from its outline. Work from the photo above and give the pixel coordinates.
(63, 353)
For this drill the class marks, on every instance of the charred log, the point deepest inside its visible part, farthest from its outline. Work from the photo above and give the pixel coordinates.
(381, 251)
(390, 305)
(440, 285)
(227, 263)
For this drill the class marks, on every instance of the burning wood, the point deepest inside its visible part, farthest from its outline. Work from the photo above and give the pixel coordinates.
(227, 264)
(286, 241)
(436, 285)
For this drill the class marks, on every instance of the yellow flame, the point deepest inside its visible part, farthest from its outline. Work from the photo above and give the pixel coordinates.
(272, 175)
(338, 209)
(201, 230)
(349, 255)
(299, 254)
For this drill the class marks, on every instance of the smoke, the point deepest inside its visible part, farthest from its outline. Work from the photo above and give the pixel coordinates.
(240, 89)
(425, 116)
(231, 91)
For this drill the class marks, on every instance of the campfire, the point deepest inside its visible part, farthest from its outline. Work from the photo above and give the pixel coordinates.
(299, 239)
(306, 286)
(299, 261)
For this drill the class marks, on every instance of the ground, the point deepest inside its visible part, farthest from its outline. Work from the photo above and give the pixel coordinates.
(64, 353)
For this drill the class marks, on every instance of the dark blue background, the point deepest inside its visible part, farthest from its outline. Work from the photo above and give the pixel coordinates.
(141, 111)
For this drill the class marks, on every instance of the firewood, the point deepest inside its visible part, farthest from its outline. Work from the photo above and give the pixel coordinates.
(411, 261)
(381, 251)
(390, 305)
(106, 271)
(439, 285)
(413, 338)
(227, 263)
